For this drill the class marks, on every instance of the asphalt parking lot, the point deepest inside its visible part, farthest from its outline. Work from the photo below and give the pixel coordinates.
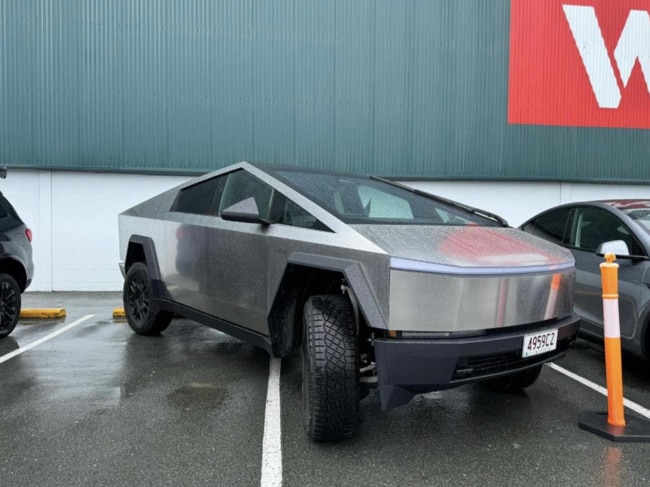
(97, 404)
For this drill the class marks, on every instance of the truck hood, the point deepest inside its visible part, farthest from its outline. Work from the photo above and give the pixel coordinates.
(467, 246)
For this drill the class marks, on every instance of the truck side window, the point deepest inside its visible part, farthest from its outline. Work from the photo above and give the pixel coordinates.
(242, 185)
(199, 198)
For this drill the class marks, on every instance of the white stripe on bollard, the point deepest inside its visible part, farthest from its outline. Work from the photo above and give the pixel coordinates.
(610, 318)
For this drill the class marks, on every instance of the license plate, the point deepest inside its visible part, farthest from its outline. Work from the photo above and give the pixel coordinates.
(537, 343)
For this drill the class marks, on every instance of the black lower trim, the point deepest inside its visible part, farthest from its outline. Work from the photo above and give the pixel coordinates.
(408, 367)
(244, 334)
(483, 366)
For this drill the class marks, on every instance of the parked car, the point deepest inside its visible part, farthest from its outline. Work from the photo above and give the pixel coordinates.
(589, 230)
(16, 265)
(379, 285)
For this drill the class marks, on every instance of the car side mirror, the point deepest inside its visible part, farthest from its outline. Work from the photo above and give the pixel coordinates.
(3, 172)
(617, 247)
(245, 211)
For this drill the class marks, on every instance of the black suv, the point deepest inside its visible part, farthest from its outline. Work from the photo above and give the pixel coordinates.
(16, 265)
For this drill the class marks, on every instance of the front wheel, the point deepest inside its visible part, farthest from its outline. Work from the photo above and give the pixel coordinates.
(142, 311)
(9, 304)
(330, 369)
(518, 380)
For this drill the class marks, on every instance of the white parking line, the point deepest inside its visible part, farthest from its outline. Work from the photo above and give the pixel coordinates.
(592, 385)
(38, 342)
(272, 442)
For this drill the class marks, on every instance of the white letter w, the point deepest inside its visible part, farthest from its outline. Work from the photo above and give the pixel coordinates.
(633, 44)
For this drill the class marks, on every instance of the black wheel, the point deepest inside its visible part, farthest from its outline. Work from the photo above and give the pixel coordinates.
(330, 371)
(9, 304)
(518, 380)
(142, 311)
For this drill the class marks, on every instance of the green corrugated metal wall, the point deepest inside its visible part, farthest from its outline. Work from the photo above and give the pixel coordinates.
(394, 87)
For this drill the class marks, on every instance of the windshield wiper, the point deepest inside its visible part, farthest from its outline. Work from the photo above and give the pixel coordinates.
(466, 208)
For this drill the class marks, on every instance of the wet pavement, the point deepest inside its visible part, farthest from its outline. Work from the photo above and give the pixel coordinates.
(100, 405)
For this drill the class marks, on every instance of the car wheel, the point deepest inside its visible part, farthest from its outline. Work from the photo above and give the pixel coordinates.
(142, 311)
(518, 380)
(9, 304)
(330, 372)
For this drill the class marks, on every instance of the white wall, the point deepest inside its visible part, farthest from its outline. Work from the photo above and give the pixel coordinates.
(518, 201)
(74, 215)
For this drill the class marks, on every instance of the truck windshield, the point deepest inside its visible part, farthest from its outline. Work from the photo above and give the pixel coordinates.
(363, 200)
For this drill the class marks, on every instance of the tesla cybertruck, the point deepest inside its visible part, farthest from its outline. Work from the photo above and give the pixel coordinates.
(378, 284)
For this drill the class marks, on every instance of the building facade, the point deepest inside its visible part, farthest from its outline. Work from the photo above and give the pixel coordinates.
(508, 105)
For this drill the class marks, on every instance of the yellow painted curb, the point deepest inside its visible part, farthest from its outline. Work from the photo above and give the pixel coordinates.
(119, 313)
(42, 313)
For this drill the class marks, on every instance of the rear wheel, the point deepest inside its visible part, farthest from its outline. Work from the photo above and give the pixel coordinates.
(9, 304)
(330, 371)
(518, 380)
(142, 311)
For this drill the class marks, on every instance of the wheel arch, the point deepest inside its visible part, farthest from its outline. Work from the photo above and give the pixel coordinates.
(142, 249)
(307, 275)
(16, 270)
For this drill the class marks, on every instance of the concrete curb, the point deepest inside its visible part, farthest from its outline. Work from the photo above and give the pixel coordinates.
(42, 313)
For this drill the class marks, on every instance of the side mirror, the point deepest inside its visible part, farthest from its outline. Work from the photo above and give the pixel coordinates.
(3, 172)
(245, 211)
(617, 247)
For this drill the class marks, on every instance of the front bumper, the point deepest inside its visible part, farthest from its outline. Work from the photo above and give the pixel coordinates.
(406, 367)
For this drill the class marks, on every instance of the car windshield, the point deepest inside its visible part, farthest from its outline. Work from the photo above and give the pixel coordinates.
(364, 200)
(640, 216)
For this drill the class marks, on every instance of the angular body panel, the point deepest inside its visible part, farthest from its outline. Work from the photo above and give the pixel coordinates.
(465, 246)
(462, 303)
(247, 248)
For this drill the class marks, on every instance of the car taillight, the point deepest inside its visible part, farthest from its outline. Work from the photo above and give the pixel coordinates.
(28, 234)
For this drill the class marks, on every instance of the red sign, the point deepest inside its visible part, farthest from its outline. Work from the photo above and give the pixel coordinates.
(580, 63)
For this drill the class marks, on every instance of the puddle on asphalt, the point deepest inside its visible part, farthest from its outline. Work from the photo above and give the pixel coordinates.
(197, 396)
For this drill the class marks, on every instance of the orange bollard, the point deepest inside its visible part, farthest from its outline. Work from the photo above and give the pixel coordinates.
(613, 361)
(612, 424)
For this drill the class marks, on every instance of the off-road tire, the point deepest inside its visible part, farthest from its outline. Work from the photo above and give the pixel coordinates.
(142, 311)
(330, 369)
(518, 380)
(9, 304)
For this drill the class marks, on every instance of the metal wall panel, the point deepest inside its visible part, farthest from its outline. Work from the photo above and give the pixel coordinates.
(412, 88)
